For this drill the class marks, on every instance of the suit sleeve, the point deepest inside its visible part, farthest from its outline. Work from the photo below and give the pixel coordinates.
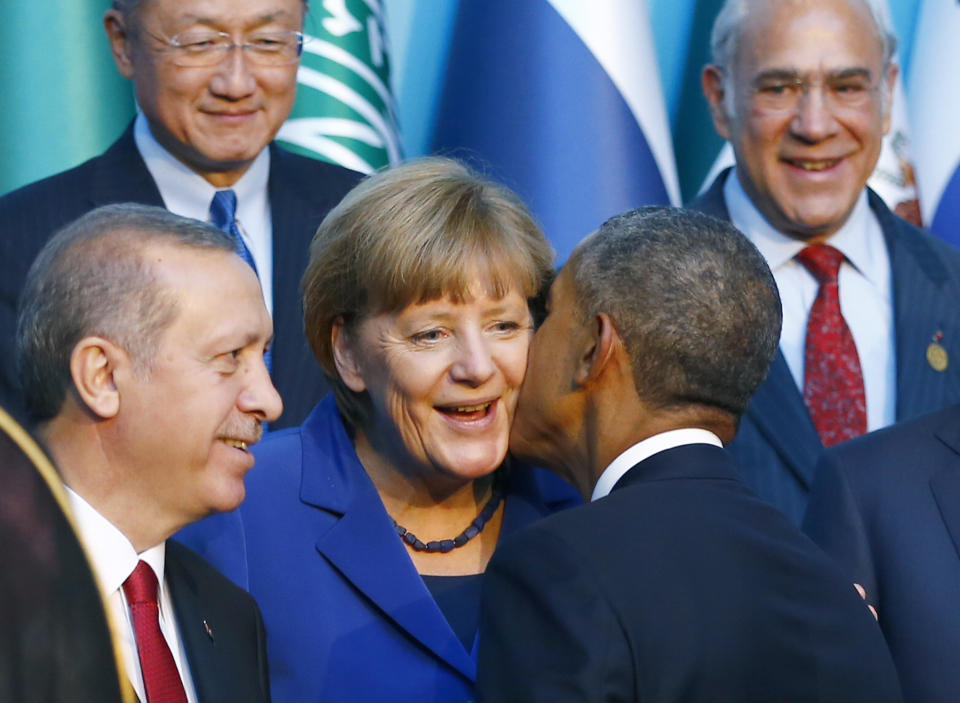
(835, 522)
(547, 632)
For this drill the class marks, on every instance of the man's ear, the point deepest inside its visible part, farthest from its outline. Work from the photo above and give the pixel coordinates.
(344, 357)
(93, 363)
(120, 42)
(714, 89)
(598, 352)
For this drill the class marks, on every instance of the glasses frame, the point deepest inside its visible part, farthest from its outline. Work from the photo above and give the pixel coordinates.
(220, 52)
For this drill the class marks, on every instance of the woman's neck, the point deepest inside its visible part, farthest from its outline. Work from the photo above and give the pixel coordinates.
(434, 507)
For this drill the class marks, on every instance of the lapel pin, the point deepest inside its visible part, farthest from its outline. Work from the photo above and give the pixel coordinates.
(937, 354)
(209, 630)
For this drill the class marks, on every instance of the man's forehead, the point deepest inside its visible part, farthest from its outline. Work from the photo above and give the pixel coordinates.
(212, 11)
(790, 34)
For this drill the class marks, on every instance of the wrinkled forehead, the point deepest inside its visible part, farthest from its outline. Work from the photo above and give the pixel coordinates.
(217, 11)
(808, 37)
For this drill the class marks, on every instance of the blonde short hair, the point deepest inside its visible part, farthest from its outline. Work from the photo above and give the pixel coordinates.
(411, 234)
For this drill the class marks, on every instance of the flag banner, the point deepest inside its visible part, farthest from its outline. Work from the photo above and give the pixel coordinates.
(561, 101)
(345, 112)
(935, 114)
(894, 176)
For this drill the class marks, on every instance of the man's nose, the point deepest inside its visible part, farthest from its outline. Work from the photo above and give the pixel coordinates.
(814, 119)
(259, 396)
(235, 77)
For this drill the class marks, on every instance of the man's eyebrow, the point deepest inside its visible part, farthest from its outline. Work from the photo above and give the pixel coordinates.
(855, 72)
(788, 74)
(775, 74)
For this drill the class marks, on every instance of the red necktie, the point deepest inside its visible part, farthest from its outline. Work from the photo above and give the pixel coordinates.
(160, 676)
(832, 379)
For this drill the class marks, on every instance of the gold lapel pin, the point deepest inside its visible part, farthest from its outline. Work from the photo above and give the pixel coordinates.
(937, 354)
(209, 630)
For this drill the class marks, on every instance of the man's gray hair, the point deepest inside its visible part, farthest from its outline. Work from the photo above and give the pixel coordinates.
(693, 300)
(726, 29)
(91, 279)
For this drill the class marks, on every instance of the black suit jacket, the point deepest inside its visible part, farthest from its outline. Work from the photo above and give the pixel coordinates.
(887, 507)
(777, 445)
(681, 585)
(221, 629)
(301, 192)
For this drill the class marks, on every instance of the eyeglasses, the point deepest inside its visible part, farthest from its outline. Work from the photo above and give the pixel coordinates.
(199, 48)
(845, 92)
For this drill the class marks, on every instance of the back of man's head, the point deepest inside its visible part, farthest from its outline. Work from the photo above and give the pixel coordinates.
(91, 278)
(693, 301)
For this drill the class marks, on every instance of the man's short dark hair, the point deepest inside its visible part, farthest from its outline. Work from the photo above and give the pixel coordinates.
(692, 299)
(91, 279)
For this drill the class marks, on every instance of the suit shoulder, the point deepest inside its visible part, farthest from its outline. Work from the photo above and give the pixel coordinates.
(204, 575)
(894, 449)
(35, 197)
(305, 166)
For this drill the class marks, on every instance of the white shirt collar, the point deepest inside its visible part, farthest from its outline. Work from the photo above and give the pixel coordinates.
(853, 239)
(111, 553)
(185, 192)
(647, 448)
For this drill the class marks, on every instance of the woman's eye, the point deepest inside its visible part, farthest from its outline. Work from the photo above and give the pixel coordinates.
(428, 336)
(506, 326)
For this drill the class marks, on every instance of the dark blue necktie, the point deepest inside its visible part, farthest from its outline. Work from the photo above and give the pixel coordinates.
(223, 214)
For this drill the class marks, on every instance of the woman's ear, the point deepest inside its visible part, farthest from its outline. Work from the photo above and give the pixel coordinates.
(345, 358)
(93, 363)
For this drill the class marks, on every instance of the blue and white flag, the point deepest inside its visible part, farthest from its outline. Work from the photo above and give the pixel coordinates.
(935, 115)
(561, 101)
(345, 112)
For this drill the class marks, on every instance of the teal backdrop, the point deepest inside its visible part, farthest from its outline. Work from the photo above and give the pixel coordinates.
(62, 100)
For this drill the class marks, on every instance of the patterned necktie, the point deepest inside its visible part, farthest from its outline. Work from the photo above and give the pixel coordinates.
(161, 680)
(832, 379)
(223, 214)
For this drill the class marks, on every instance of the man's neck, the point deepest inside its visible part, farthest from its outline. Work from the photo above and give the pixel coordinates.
(609, 439)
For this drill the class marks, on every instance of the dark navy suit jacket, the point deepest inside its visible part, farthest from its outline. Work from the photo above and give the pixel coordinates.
(681, 585)
(301, 192)
(887, 507)
(221, 629)
(777, 445)
(348, 615)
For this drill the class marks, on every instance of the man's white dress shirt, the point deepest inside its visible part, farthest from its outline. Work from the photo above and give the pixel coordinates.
(187, 193)
(114, 559)
(647, 448)
(865, 288)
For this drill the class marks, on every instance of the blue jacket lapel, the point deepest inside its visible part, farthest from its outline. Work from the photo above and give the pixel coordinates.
(198, 646)
(780, 414)
(945, 484)
(925, 304)
(121, 176)
(361, 543)
(711, 200)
